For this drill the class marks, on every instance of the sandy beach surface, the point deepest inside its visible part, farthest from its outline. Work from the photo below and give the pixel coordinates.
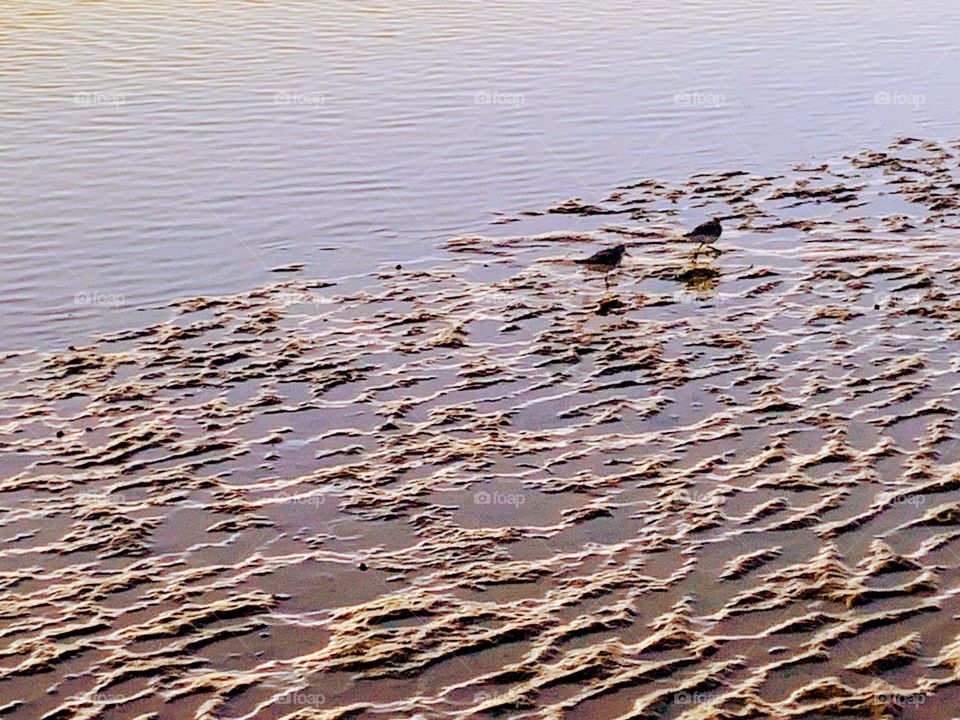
(508, 485)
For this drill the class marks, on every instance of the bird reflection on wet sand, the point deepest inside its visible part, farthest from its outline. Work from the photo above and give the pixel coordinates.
(699, 278)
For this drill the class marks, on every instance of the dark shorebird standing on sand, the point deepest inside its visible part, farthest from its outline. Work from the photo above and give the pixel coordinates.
(608, 258)
(706, 234)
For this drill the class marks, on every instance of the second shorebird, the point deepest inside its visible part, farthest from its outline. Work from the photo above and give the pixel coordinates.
(705, 234)
(607, 259)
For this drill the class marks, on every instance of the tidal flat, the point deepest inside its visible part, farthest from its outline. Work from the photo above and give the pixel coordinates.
(501, 484)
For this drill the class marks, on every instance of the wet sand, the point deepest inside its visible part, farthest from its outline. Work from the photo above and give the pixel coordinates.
(510, 486)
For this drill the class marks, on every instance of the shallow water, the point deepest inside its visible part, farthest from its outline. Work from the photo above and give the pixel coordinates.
(150, 151)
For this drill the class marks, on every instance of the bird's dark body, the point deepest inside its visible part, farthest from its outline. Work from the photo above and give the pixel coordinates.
(707, 232)
(610, 257)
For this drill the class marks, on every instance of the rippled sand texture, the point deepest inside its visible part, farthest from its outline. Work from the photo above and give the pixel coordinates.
(498, 488)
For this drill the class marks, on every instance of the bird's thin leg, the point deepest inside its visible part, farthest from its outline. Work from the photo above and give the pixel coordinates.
(696, 253)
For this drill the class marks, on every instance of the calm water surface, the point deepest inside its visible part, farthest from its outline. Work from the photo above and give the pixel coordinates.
(151, 150)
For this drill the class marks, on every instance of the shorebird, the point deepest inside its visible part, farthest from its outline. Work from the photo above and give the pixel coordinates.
(608, 258)
(706, 234)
